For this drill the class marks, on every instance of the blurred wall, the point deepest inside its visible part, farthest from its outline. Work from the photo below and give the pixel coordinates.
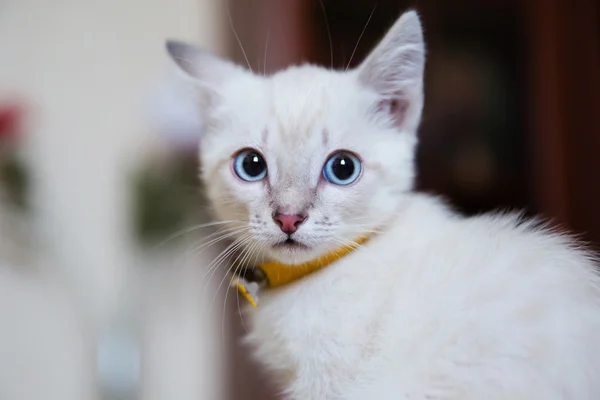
(87, 69)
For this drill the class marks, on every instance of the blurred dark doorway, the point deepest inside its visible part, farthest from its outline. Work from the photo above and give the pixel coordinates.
(473, 138)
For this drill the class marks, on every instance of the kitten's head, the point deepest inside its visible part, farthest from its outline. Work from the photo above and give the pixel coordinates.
(309, 159)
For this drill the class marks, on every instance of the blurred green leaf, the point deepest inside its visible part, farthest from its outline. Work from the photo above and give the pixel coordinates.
(167, 199)
(14, 175)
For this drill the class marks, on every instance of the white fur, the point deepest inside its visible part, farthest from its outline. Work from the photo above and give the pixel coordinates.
(434, 306)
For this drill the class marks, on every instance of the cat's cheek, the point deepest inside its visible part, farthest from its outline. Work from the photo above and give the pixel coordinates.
(251, 199)
(227, 200)
(339, 204)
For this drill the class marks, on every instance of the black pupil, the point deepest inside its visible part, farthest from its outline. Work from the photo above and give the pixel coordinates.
(253, 164)
(343, 167)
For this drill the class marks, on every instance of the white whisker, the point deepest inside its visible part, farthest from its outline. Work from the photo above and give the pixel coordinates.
(265, 57)
(213, 266)
(236, 35)
(198, 249)
(361, 35)
(222, 259)
(328, 31)
(192, 229)
(242, 264)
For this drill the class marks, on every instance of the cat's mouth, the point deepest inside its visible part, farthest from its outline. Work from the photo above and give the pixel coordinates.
(292, 251)
(291, 244)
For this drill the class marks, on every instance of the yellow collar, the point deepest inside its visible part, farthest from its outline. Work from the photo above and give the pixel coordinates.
(274, 274)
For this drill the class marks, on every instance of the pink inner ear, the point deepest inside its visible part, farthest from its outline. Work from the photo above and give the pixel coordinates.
(396, 108)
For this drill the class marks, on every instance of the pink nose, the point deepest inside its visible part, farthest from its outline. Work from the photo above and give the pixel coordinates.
(288, 223)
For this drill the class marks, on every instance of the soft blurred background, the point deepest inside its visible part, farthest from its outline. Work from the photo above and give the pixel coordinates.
(104, 290)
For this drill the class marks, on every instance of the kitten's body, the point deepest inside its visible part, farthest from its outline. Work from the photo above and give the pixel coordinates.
(439, 307)
(433, 306)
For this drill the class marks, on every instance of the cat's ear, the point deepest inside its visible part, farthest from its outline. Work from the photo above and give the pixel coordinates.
(183, 107)
(395, 68)
(207, 71)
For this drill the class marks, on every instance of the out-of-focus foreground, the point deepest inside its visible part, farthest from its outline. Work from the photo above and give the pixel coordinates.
(100, 300)
(87, 310)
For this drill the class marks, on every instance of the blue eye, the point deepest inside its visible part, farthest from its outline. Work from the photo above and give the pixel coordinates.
(250, 166)
(342, 168)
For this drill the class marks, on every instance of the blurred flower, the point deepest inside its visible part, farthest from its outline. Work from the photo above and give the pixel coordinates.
(13, 172)
(10, 117)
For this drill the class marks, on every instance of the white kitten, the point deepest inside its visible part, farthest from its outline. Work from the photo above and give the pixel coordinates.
(433, 306)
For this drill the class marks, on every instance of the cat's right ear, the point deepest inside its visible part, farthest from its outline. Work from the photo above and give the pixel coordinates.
(206, 69)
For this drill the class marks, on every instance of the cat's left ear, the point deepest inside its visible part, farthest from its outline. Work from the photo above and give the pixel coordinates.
(395, 68)
(198, 63)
